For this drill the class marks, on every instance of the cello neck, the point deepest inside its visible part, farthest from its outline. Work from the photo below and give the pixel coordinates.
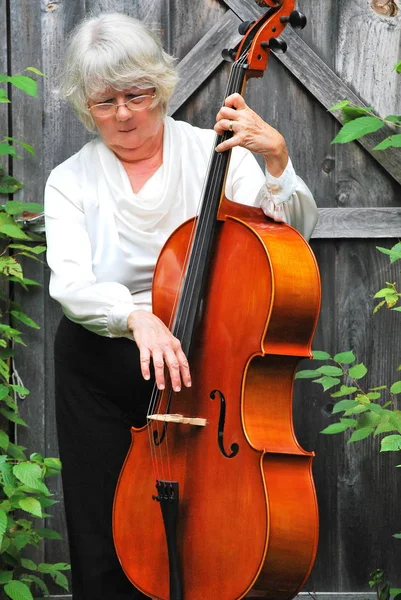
(186, 317)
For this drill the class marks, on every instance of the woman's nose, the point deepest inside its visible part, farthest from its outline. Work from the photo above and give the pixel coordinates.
(123, 113)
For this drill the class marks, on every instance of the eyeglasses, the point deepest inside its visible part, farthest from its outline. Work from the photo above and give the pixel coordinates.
(106, 109)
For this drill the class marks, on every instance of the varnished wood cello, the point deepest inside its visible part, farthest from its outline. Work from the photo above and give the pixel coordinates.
(216, 500)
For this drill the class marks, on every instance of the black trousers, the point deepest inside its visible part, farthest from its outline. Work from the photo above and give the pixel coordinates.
(100, 393)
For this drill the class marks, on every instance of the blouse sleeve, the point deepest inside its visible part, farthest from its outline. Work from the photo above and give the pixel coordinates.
(102, 307)
(286, 198)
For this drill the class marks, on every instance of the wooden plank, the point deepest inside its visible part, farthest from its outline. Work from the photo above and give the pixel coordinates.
(204, 58)
(336, 223)
(328, 88)
(4, 107)
(27, 127)
(324, 84)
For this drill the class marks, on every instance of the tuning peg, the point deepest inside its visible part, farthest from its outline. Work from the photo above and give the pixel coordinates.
(229, 55)
(275, 44)
(297, 20)
(245, 26)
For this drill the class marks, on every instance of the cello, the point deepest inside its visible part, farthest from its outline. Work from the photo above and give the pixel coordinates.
(215, 500)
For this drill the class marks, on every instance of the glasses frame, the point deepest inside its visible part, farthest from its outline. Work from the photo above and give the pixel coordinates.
(117, 106)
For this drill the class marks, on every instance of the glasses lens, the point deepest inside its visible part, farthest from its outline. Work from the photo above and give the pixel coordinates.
(140, 102)
(102, 110)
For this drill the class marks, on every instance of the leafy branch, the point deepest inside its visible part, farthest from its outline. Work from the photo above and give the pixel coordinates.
(362, 120)
(22, 478)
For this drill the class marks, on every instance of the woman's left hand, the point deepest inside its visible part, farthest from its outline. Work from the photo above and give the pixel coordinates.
(252, 132)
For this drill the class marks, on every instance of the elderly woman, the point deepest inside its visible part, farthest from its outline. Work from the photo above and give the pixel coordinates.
(109, 209)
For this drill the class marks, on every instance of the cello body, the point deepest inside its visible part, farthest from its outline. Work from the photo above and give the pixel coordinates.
(247, 523)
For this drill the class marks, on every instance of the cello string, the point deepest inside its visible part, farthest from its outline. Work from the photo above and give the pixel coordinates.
(198, 230)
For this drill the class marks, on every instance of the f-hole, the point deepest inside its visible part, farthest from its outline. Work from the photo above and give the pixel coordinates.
(222, 419)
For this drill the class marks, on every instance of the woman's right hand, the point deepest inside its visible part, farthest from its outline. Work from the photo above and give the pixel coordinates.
(156, 342)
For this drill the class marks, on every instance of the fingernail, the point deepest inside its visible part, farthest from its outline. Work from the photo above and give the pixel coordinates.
(189, 383)
(161, 386)
(177, 388)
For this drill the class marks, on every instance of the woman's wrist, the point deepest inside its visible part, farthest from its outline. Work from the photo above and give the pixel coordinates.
(277, 160)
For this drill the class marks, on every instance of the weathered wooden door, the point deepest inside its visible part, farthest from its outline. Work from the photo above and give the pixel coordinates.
(347, 51)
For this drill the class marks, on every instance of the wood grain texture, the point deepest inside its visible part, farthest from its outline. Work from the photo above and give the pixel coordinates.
(358, 223)
(328, 87)
(204, 58)
(4, 131)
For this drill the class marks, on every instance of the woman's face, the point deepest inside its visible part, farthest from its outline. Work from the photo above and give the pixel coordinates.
(131, 135)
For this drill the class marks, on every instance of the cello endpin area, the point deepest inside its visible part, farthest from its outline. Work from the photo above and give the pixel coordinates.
(180, 419)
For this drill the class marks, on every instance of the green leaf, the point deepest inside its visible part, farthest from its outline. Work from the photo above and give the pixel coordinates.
(37, 581)
(327, 382)
(358, 371)
(398, 537)
(33, 249)
(16, 590)
(36, 71)
(344, 391)
(3, 522)
(8, 184)
(340, 105)
(16, 451)
(373, 395)
(393, 141)
(19, 389)
(22, 144)
(47, 533)
(31, 505)
(53, 463)
(375, 408)
(24, 83)
(307, 374)
(391, 443)
(61, 580)
(24, 281)
(357, 128)
(15, 208)
(5, 576)
(320, 355)
(10, 266)
(343, 425)
(27, 563)
(3, 96)
(12, 416)
(394, 253)
(360, 434)
(7, 149)
(345, 358)
(4, 440)
(13, 231)
(28, 473)
(397, 67)
(21, 539)
(378, 307)
(350, 113)
(330, 370)
(4, 391)
(344, 405)
(24, 319)
(385, 427)
(394, 119)
(396, 387)
(7, 474)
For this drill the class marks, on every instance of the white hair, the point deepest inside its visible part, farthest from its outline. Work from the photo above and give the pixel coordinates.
(114, 51)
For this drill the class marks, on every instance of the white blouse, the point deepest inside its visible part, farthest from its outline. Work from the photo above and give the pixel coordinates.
(103, 240)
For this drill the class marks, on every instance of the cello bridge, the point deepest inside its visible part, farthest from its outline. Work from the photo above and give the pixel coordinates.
(179, 419)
